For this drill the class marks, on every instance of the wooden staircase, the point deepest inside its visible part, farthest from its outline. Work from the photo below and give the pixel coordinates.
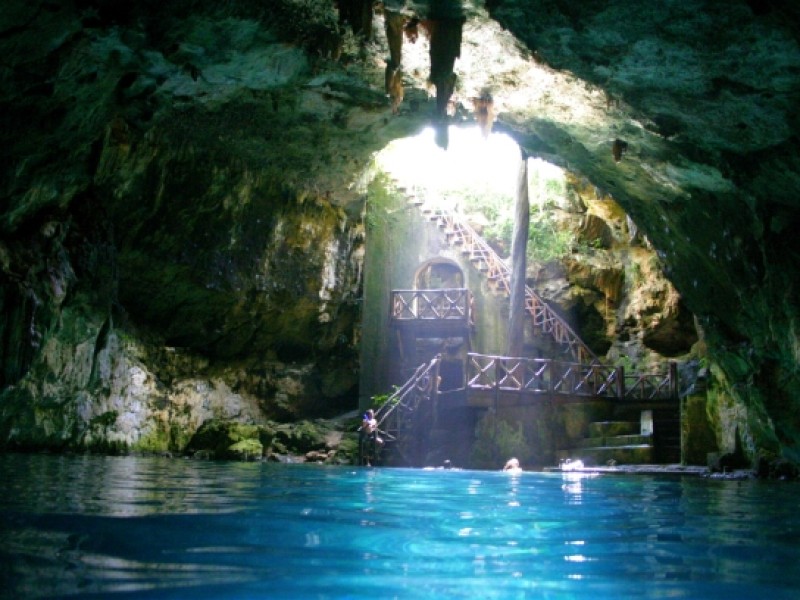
(544, 319)
(408, 418)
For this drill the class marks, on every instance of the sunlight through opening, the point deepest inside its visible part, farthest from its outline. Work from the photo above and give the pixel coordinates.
(471, 161)
(476, 176)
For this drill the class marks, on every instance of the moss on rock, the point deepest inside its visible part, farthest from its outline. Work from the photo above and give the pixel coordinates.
(248, 449)
(225, 440)
(301, 437)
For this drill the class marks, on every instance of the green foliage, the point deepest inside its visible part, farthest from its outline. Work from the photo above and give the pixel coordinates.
(491, 204)
(216, 437)
(301, 437)
(379, 400)
(247, 449)
(626, 363)
(496, 441)
(546, 241)
(498, 234)
(348, 449)
(546, 188)
(383, 196)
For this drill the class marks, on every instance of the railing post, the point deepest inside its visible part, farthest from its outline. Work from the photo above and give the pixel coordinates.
(620, 382)
(435, 391)
(496, 383)
(673, 380)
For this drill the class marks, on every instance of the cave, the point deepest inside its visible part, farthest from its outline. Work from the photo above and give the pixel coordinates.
(189, 190)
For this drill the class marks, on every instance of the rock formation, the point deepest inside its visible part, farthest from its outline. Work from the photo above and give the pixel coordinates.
(181, 225)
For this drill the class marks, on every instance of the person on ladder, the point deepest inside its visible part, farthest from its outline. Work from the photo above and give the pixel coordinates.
(369, 438)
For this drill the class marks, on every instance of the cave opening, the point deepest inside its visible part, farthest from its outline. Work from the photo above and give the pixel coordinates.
(476, 177)
(417, 183)
(472, 161)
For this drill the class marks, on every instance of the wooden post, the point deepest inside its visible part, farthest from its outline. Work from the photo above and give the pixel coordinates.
(435, 391)
(620, 382)
(673, 380)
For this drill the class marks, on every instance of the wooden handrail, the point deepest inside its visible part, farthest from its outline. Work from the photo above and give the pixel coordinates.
(544, 318)
(449, 304)
(423, 383)
(546, 376)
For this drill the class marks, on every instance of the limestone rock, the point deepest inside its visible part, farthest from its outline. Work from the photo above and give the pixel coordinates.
(196, 181)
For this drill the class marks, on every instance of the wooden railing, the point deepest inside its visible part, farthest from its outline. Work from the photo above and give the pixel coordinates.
(498, 272)
(448, 304)
(400, 417)
(652, 387)
(545, 376)
(422, 385)
(475, 248)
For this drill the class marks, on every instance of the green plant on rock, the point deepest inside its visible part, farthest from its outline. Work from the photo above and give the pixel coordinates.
(378, 400)
(546, 240)
(491, 204)
(105, 420)
(626, 363)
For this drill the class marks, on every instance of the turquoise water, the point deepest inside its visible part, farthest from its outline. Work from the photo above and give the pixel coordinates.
(172, 528)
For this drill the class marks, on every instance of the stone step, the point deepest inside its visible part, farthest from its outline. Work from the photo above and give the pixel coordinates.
(617, 440)
(613, 428)
(639, 454)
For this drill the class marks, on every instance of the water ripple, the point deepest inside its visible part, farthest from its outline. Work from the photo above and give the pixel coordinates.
(95, 526)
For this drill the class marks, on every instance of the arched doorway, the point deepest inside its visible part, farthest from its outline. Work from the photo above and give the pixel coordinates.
(445, 274)
(437, 274)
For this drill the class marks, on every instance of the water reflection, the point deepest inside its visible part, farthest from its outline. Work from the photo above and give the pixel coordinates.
(129, 487)
(172, 528)
(573, 485)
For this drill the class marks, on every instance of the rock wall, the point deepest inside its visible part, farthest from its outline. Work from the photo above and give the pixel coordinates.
(702, 95)
(168, 255)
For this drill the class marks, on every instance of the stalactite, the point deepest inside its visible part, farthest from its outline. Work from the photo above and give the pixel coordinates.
(445, 47)
(394, 24)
